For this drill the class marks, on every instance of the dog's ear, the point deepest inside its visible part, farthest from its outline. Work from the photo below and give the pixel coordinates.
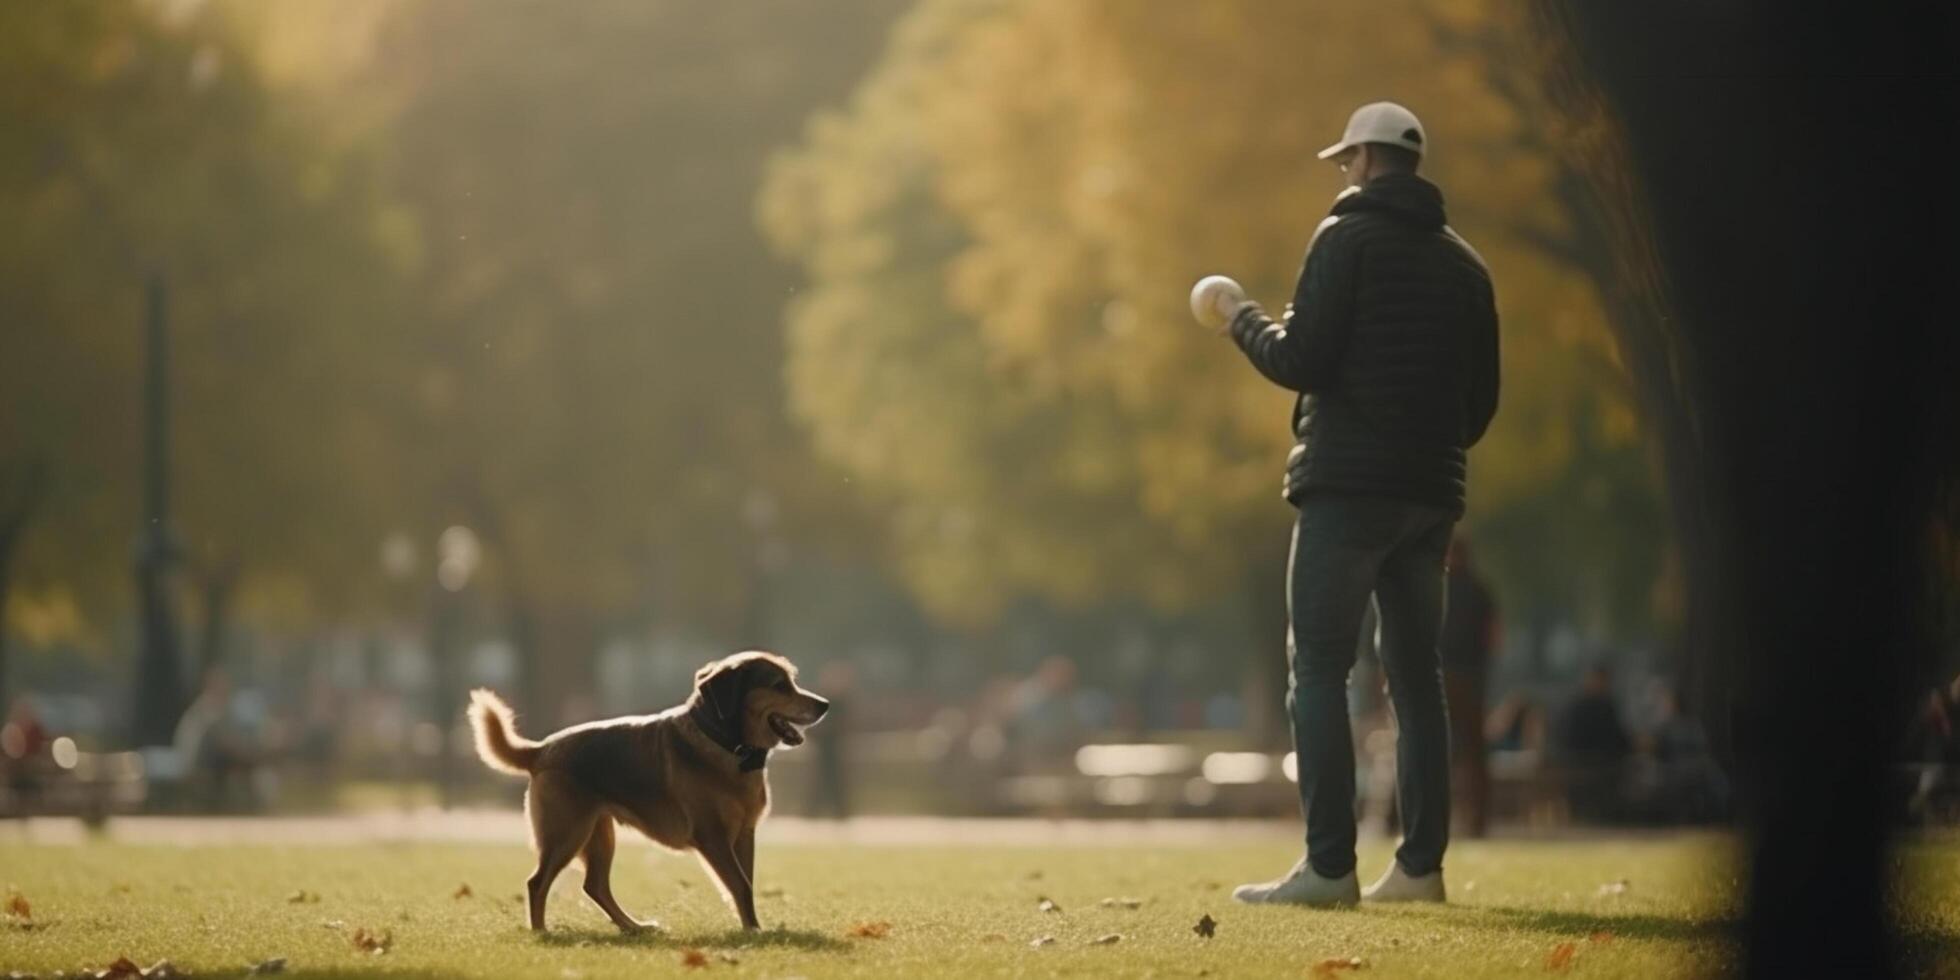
(722, 686)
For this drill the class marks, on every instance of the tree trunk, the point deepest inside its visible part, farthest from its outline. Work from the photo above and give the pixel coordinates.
(1808, 364)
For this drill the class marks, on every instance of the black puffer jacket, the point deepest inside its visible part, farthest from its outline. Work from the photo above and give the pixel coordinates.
(1391, 341)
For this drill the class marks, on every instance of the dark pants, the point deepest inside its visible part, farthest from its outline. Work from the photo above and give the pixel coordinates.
(1344, 549)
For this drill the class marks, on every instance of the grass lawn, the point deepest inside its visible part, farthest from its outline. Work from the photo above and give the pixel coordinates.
(1519, 908)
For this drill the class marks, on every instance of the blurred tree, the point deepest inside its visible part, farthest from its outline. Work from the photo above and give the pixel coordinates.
(598, 381)
(140, 141)
(1001, 231)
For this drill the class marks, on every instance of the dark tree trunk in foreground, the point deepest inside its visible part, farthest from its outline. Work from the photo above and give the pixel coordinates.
(1795, 211)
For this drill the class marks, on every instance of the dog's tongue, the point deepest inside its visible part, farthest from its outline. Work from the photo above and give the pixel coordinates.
(786, 731)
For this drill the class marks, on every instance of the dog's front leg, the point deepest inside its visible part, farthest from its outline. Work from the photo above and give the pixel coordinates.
(745, 853)
(719, 851)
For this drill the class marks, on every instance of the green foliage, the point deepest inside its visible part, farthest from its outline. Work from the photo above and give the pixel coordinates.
(137, 146)
(1001, 230)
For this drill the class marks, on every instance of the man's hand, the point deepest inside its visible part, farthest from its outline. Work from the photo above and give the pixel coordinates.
(1214, 301)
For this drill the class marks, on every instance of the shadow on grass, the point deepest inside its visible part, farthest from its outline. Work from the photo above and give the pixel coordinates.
(801, 939)
(1573, 923)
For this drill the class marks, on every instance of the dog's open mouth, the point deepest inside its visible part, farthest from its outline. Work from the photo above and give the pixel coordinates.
(785, 730)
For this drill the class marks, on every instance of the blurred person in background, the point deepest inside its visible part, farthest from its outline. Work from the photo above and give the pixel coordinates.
(24, 759)
(830, 790)
(1932, 756)
(1468, 644)
(1590, 743)
(220, 747)
(1043, 722)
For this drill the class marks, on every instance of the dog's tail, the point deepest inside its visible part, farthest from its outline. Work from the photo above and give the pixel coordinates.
(497, 741)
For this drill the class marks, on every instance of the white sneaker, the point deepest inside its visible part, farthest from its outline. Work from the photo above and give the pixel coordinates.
(1398, 886)
(1302, 887)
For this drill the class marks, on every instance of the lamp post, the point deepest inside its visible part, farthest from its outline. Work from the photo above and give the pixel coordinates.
(458, 554)
(159, 694)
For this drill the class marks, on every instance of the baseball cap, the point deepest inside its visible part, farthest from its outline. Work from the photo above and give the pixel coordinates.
(1380, 122)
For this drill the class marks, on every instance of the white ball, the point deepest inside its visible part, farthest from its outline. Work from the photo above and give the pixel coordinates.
(1214, 298)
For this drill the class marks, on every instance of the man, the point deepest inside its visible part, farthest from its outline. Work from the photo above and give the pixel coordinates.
(1469, 640)
(1391, 343)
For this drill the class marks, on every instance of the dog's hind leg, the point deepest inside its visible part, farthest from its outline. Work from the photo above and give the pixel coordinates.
(598, 857)
(561, 822)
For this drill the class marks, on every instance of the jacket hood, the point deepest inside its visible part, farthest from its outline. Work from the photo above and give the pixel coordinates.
(1406, 197)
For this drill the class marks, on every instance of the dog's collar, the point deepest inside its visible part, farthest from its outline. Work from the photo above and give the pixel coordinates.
(706, 717)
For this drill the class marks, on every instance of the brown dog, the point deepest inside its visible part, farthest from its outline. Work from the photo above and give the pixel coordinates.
(691, 777)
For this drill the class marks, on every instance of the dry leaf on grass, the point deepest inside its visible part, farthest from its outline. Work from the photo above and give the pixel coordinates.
(122, 969)
(333, 924)
(1207, 926)
(164, 970)
(1034, 875)
(994, 937)
(463, 891)
(1040, 941)
(1615, 887)
(1109, 940)
(1601, 938)
(17, 907)
(693, 959)
(303, 897)
(376, 942)
(119, 888)
(1045, 905)
(1560, 958)
(266, 968)
(1121, 903)
(1329, 967)
(871, 930)
(729, 958)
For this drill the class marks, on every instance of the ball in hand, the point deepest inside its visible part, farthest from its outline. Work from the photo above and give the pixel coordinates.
(1214, 299)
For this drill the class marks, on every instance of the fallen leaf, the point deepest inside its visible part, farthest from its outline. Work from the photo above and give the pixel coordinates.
(1034, 875)
(1329, 967)
(693, 958)
(122, 969)
(334, 923)
(1615, 887)
(1109, 940)
(871, 930)
(373, 942)
(1121, 903)
(1560, 958)
(1040, 941)
(119, 888)
(1206, 927)
(684, 883)
(1211, 886)
(729, 958)
(266, 968)
(1044, 905)
(164, 970)
(1602, 938)
(994, 937)
(463, 891)
(17, 907)
(303, 897)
